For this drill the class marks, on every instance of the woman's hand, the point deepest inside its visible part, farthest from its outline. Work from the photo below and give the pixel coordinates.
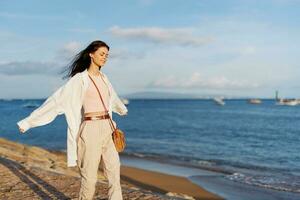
(21, 130)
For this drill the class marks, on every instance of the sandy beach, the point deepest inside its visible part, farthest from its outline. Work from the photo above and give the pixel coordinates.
(30, 172)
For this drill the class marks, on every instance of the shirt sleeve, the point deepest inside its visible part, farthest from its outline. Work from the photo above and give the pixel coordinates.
(117, 105)
(48, 111)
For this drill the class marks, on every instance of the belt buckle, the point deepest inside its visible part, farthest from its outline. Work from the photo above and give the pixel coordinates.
(95, 117)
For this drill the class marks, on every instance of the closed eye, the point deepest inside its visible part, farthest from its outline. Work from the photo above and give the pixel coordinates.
(103, 54)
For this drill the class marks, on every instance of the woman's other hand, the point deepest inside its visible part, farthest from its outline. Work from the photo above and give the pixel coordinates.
(21, 130)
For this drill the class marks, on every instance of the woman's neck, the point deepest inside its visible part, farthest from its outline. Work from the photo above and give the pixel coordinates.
(94, 70)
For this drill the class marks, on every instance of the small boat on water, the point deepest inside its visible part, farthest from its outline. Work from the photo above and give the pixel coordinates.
(288, 102)
(125, 101)
(219, 101)
(254, 101)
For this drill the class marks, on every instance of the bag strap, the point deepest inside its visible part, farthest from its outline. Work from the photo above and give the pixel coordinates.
(111, 123)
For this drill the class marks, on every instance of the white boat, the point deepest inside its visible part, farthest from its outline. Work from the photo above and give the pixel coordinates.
(254, 101)
(219, 101)
(125, 101)
(288, 102)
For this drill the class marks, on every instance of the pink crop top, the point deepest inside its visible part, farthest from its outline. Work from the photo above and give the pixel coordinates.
(92, 101)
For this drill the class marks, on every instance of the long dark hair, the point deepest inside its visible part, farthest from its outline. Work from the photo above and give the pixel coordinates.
(82, 60)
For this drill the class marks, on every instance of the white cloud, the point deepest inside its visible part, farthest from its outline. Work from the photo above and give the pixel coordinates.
(120, 53)
(49, 67)
(69, 50)
(71, 47)
(196, 80)
(176, 36)
(29, 67)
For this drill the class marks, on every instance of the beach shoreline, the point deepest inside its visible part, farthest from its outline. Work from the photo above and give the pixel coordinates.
(159, 185)
(211, 179)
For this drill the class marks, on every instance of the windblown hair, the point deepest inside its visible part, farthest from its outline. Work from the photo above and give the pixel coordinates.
(82, 60)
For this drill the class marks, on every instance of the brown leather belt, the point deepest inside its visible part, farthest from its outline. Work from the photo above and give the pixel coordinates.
(97, 117)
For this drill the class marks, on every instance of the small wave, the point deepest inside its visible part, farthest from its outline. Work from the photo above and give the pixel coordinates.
(30, 105)
(204, 163)
(180, 161)
(142, 155)
(289, 184)
(139, 155)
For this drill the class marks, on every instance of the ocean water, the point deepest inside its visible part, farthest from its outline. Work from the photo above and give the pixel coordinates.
(254, 144)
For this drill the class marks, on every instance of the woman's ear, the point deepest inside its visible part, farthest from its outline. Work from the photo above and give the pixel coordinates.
(91, 55)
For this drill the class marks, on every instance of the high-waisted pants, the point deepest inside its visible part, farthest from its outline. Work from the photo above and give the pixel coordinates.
(93, 142)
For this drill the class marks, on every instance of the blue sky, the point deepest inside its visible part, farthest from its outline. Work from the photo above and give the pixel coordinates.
(233, 48)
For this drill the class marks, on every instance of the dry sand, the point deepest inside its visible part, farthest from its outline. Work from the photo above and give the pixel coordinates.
(29, 172)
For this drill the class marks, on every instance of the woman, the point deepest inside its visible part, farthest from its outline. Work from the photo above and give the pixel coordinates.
(89, 129)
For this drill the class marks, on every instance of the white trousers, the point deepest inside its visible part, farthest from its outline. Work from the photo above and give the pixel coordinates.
(93, 142)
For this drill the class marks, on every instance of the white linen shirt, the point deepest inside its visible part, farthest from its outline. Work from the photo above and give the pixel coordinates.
(68, 100)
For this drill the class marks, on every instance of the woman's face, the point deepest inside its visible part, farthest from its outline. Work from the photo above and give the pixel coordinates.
(99, 57)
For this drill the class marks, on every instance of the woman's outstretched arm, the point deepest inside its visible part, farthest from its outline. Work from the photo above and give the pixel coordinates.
(47, 112)
(44, 114)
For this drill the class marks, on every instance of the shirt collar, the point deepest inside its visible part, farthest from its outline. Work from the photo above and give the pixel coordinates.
(86, 77)
(86, 72)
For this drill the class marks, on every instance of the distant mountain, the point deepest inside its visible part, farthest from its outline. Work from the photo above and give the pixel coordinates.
(170, 95)
(158, 95)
